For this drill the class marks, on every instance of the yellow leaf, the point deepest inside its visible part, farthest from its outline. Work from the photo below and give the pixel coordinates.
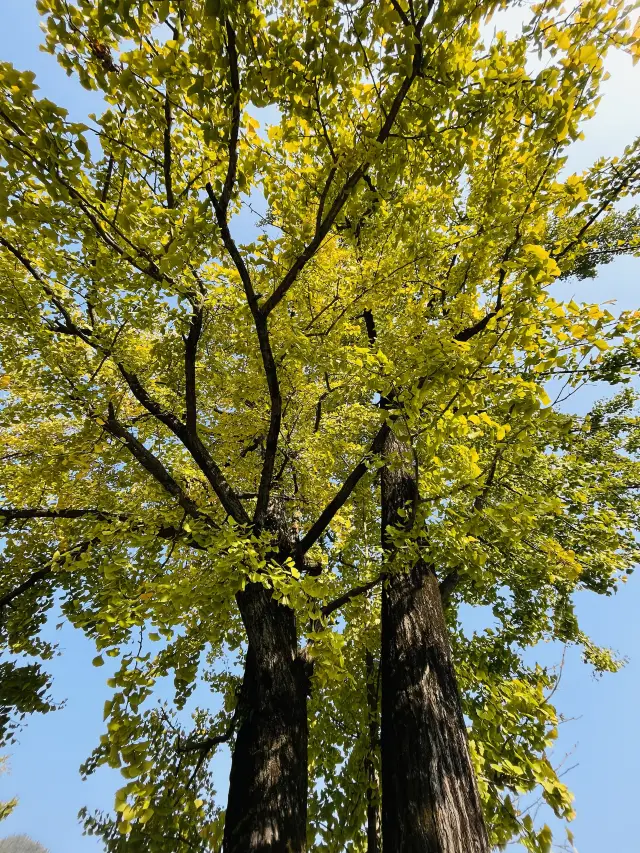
(538, 251)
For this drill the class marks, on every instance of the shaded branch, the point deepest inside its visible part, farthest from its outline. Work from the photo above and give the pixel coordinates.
(343, 599)
(447, 586)
(31, 581)
(42, 573)
(192, 443)
(597, 213)
(342, 495)
(70, 327)
(188, 437)
(167, 161)
(8, 514)
(220, 206)
(230, 178)
(206, 745)
(149, 462)
(190, 356)
(107, 179)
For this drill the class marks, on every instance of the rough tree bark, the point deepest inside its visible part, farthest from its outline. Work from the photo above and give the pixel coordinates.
(267, 803)
(430, 800)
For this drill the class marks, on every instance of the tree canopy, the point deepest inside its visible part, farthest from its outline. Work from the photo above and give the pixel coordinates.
(191, 412)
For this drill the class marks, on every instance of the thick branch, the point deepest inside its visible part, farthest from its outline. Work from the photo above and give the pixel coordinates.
(207, 744)
(193, 444)
(471, 331)
(370, 325)
(148, 461)
(31, 581)
(230, 178)
(190, 356)
(343, 599)
(168, 183)
(342, 495)
(107, 179)
(447, 586)
(220, 206)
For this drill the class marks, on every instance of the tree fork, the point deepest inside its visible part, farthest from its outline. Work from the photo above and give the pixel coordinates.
(430, 800)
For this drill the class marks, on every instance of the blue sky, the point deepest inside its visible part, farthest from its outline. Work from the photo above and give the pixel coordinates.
(602, 739)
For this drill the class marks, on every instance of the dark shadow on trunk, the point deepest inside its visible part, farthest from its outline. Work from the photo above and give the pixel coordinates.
(267, 804)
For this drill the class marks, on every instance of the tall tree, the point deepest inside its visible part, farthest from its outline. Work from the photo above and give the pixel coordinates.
(430, 798)
(193, 424)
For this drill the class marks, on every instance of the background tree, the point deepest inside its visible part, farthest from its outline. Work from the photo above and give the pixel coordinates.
(20, 844)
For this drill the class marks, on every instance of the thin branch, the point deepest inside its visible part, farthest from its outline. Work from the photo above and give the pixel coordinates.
(599, 210)
(190, 440)
(323, 228)
(149, 462)
(55, 300)
(9, 514)
(42, 573)
(168, 183)
(343, 599)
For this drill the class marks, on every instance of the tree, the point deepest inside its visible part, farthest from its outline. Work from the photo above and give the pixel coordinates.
(194, 426)
(20, 844)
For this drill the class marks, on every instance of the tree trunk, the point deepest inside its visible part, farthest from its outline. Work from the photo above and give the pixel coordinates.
(267, 804)
(430, 801)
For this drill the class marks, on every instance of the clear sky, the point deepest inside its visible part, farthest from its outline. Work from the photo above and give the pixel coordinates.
(603, 738)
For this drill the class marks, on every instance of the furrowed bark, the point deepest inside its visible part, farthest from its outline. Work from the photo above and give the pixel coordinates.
(430, 800)
(267, 805)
